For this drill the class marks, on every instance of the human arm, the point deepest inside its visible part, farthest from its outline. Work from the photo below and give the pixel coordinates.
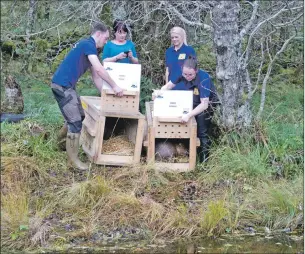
(168, 86)
(132, 55)
(166, 74)
(97, 80)
(204, 88)
(204, 103)
(166, 66)
(97, 69)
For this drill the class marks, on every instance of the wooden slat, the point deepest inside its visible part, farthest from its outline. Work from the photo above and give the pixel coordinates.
(169, 119)
(114, 160)
(100, 136)
(175, 167)
(151, 145)
(193, 121)
(91, 130)
(137, 115)
(192, 148)
(148, 114)
(139, 141)
(89, 153)
(197, 142)
(126, 103)
(133, 93)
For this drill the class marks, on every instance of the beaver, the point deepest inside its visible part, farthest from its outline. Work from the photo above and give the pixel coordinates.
(181, 150)
(166, 150)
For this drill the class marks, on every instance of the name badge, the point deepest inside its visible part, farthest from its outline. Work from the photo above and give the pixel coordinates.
(181, 56)
(196, 92)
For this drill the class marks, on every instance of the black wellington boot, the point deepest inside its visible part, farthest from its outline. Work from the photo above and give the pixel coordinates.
(203, 150)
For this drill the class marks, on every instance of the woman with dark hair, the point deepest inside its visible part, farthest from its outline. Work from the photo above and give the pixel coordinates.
(120, 49)
(204, 100)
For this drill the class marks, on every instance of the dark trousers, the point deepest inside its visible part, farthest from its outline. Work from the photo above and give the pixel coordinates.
(203, 128)
(70, 106)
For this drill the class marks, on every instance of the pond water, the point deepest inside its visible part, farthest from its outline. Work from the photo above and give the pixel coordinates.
(284, 243)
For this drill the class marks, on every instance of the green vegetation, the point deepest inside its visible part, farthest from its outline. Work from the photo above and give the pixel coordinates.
(253, 178)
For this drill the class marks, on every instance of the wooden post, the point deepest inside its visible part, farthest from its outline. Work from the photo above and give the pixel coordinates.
(100, 137)
(151, 145)
(193, 145)
(139, 140)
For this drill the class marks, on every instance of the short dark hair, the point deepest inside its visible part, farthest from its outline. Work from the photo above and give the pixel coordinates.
(191, 62)
(99, 27)
(120, 25)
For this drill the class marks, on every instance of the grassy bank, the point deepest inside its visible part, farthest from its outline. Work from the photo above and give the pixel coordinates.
(253, 181)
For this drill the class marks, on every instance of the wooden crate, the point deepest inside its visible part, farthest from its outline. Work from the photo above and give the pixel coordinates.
(128, 103)
(94, 128)
(170, 128)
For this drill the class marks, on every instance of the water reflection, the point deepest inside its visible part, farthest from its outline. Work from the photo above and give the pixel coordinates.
(238, 244)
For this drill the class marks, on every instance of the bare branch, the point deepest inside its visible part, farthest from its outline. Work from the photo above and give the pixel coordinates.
(43, 31)
(270, 65)
(289, 22)
(259, 72)
(188, 22)
(284, 9)
(246, 29)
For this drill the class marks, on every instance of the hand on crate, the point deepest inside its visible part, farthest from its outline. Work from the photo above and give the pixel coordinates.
(118, 91)
(155, 94)
(185, 118)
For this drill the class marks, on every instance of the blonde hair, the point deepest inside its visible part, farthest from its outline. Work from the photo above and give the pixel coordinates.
(179, 30)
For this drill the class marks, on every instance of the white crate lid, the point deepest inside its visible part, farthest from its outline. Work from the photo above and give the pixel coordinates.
(126, 76)
(173, 103)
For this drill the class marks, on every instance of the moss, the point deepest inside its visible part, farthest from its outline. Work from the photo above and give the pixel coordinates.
(8, 47)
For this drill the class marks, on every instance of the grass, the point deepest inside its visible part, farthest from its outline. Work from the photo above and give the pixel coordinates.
(212, 218)
(252, 178)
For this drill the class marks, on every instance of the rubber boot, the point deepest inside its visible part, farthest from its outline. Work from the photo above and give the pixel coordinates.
(72, 146)
(203, 150)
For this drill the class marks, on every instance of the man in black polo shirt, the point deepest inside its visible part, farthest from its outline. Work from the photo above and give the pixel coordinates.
(83, 55)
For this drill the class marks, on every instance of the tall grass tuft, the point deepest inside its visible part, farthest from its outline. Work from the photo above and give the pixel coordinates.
(15, 208)
(83, 194)
(276, 205)
(210, 221)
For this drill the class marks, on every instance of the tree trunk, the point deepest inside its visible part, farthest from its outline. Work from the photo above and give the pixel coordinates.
(229, 74)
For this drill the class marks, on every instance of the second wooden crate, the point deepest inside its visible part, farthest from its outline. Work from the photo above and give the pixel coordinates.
(170, 128)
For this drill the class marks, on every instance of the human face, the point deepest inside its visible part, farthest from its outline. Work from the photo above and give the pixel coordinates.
(189, 73)
(102, 38)
(120, 35)
(176, 39)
